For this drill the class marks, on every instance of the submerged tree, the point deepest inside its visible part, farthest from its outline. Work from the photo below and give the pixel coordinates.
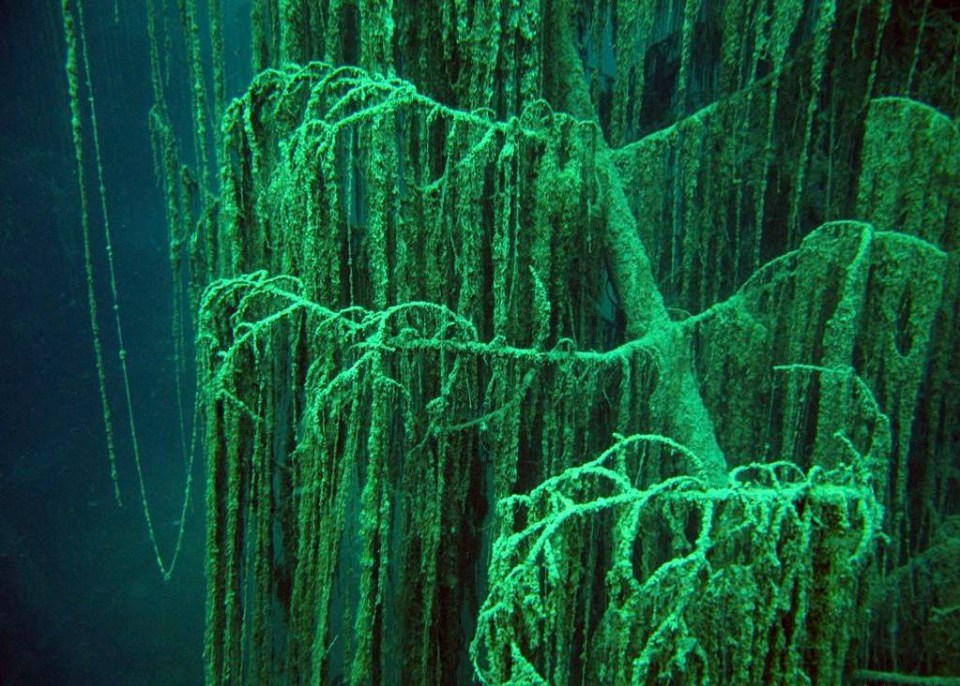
(559, 342)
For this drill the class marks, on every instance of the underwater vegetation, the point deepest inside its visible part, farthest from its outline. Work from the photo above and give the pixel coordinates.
(565, 341)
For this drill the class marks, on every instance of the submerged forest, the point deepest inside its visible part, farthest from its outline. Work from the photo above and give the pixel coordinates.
(559, 341)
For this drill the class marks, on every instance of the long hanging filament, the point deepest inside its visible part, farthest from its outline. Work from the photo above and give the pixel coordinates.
(76, 44)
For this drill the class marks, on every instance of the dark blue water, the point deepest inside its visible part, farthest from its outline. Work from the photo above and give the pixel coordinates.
(81, 599)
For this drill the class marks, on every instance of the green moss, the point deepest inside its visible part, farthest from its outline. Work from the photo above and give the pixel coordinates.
(569, 343)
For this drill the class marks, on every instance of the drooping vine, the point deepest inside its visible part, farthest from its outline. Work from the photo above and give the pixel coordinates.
(575, 342)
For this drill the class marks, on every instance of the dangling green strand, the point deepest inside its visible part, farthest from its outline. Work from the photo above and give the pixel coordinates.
(571, 342)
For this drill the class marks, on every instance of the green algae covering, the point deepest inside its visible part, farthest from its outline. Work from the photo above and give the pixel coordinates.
(573, 342)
